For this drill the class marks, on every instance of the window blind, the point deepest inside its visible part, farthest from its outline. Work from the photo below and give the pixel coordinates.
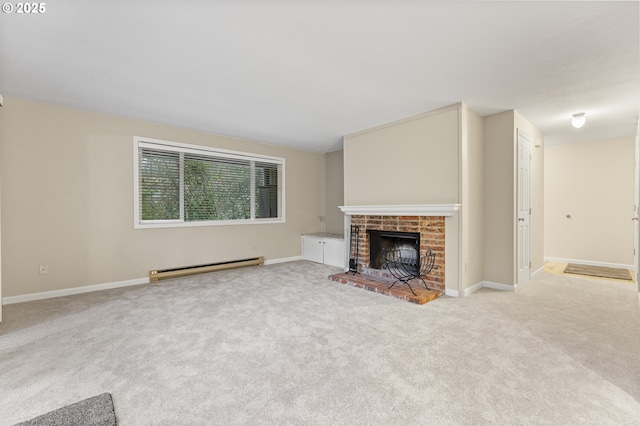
(186, 184)
(159, 185)
(216, 188)
(267, 187)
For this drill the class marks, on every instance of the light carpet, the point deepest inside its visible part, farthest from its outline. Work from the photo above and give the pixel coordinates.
(281, 344)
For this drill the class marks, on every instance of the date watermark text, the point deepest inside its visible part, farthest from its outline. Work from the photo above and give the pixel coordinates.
(24, 8)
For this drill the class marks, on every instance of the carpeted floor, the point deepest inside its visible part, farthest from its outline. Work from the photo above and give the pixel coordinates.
(281, 344)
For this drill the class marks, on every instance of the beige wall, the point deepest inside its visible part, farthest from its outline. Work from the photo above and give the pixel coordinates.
(334, 178)
(71, 206)
(594, 183)
(499, 198)
(67, 202)
(472, 197)
(500, 179)
(412, 161)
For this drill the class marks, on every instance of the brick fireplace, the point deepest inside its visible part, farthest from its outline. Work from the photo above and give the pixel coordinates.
(430, 224)
(430, 228)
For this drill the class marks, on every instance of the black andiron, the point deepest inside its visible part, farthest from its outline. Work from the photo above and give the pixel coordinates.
(353, 249)
(405, 266)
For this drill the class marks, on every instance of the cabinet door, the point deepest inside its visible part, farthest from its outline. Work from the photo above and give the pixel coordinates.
(334, 252)
(313, 249)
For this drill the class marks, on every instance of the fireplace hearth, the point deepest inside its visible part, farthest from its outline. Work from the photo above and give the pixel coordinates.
(415, 237)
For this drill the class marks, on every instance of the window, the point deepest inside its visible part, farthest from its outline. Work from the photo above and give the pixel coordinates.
(185, 185)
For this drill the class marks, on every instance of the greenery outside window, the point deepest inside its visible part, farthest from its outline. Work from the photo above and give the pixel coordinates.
(185, 185)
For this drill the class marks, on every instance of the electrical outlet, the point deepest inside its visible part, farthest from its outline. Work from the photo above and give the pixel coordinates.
(44, 269)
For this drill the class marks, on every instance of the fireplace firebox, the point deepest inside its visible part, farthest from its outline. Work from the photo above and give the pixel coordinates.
(383, 242)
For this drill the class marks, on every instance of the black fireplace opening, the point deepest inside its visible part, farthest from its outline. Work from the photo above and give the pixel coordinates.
(381, 242)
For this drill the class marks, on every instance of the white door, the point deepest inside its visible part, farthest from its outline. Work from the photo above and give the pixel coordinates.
(523, 238)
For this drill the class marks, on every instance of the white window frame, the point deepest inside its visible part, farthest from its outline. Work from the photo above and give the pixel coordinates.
(142, 142)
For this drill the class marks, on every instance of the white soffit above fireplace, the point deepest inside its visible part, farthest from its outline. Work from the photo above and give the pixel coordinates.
(406, 210)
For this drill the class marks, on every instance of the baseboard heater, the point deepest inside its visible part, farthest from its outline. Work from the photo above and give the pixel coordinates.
(162, 274)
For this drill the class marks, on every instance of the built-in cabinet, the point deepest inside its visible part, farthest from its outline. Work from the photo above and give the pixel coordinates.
(324, 248)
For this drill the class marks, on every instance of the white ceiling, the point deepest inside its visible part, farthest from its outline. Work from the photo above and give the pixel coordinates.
(305, 73)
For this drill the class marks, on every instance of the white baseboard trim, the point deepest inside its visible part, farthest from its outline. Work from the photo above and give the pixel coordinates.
(451, 292)
(538, 271)
(98, 287)
(473, 288)
(282, 260)
(71, 291)
(467, 291)
(499, 286)
(588, 262)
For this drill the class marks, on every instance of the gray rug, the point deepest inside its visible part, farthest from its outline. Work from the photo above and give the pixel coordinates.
(598, 271)
(94, 411)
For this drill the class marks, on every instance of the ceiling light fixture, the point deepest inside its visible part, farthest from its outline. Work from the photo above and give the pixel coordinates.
(578, 120)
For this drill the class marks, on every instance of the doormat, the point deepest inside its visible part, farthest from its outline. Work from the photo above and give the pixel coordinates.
(598, 271)
(94, 411)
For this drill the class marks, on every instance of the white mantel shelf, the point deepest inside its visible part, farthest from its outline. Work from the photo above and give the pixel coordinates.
(406, 210)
